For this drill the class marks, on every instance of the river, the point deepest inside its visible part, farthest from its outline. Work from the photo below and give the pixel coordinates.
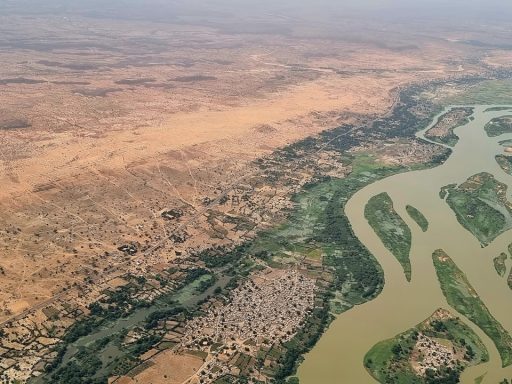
(338, 356)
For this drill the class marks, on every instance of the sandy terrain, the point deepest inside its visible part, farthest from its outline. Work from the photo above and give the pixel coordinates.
(101, 133)
(167, 368)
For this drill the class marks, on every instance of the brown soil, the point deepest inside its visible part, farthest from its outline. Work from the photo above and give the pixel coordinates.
(115, 128)
(168, 368)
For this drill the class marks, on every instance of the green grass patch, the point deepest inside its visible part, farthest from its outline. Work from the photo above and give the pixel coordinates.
(418, 217)
(490, 92)
(225, 380)
(460, 295)
(392, 230)
(499, 126)
(499, 264)
(481, 206)
(505, 162)
(190, 291)
(314, 254)
(391, 361)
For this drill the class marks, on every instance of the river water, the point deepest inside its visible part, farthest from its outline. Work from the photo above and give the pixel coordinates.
(338, 356)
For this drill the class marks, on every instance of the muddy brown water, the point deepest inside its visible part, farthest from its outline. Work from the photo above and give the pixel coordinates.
(338, 356)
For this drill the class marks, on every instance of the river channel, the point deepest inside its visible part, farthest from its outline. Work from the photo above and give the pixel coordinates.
(338, 356)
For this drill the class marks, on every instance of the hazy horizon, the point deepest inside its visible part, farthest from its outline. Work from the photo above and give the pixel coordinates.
(394, 9)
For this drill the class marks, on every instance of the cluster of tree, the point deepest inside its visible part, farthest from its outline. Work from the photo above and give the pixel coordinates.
(205, 284)
(118, 303)
(221, 256)
(305, 339)
(470, 353)
(144, 344)
(356, 265)
(162, 280)
(192, 275)
(446, 375)
(153, 318)
(80, 370)
(83, 368)
(340, 139)
(82, 328)
(438, 325)
(61, 351)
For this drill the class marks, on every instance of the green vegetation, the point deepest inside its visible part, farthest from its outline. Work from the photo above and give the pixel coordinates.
(481, 206)
(462, 297)
(442, 131)
(444, 190)
(418, 217)
(509, 278)
(505, 163)
(392, 230)
(499, 264)
(499, 126)
(80, 370)
(153, 318)
(221, 256)
(490, 92)
(392, 361)
(498, 109)
(318, 225)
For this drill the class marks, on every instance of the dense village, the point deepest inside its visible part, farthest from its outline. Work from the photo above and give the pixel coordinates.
(263, 313)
